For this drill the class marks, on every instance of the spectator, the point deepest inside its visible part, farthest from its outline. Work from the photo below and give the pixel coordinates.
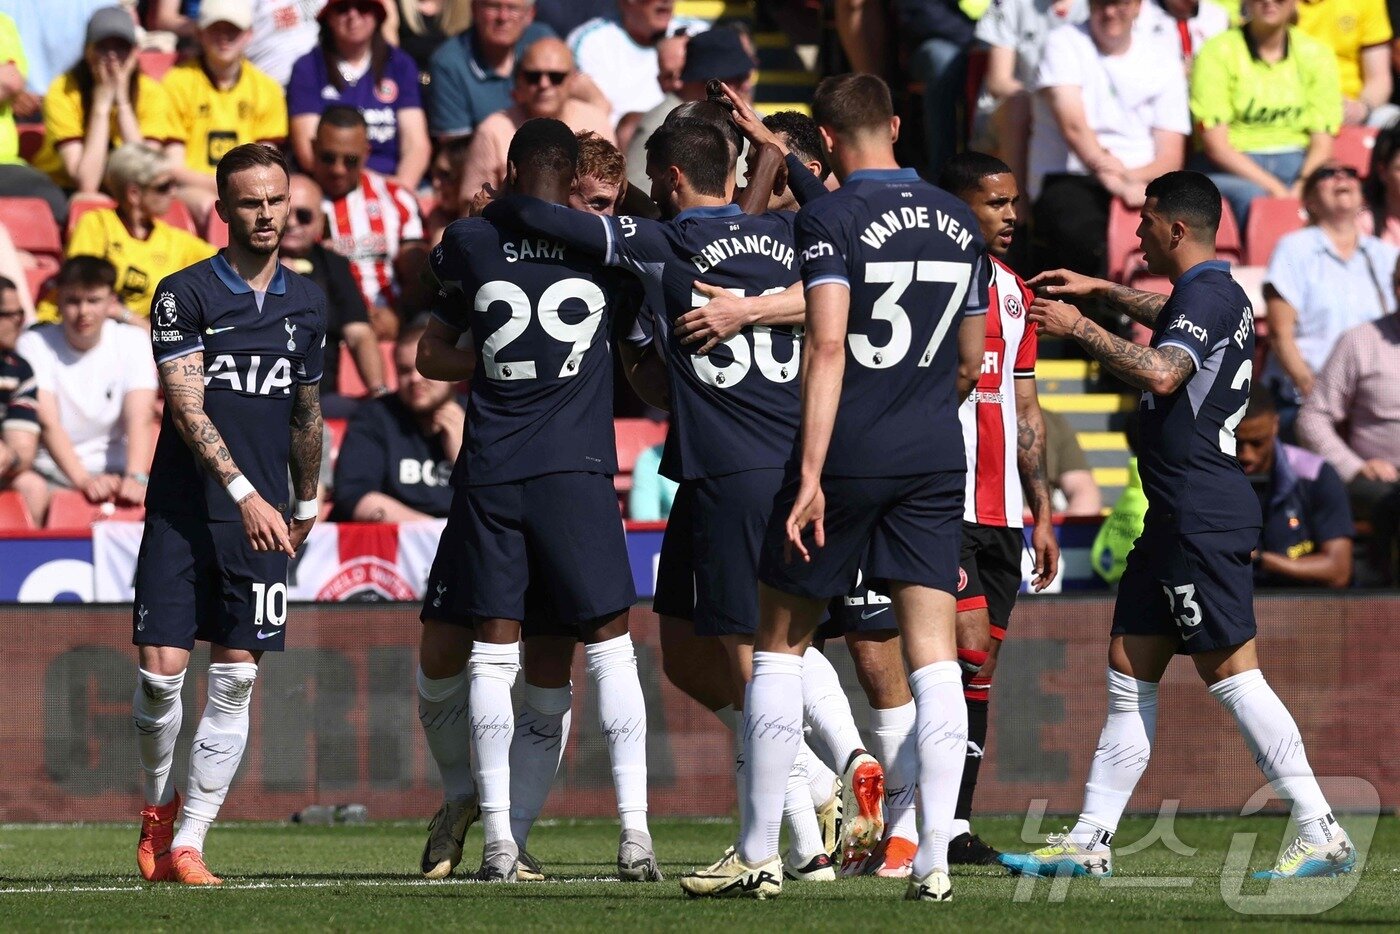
(564, 16)
(472, 74)
(354, 65)
(283, 31)
(542, 78)
(1110, 115)
(423, 25)
(52, 33)
(446, 173)
(219, 100)
(101, 102)
(371, 220)
(1359, 34)
(1073, 489)
(1266, 98)
(13, 266)
(1014, 32)
(178, 16)
(1321, 281)
(937, 34)
(16, 176)
(1382, 186)
(634, 132)
(96, 389)
(1352, 418)
(1306, 539)
(620, 54)
(652, 495)
(347, 318)
(141, 247)
(19, 432)
(602, 176)
(1186, 25)
(1123, 525)
(399, 450)
(863, 28)
(717, 53)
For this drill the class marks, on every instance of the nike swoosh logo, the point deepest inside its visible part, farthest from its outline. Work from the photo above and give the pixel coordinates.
(867, 614)
(266, 635)
(219, 330)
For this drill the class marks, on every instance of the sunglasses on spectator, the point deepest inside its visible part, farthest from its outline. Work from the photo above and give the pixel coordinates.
(533, 77)
(362, 7)
(1332, 171)
(162, 188)
(335, 158)
(303, 216)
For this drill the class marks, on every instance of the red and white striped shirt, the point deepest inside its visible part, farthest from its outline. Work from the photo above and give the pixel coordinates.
(993, 494)
(367, 227)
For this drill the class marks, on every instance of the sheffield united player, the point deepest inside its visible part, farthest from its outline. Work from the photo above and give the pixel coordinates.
(238, 342)
(534, 534)
(895, 274)
(1189, 583)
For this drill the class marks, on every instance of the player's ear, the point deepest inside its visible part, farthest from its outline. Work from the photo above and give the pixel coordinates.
(828, 140)
(894, 129)
(510, 174)
(221, 210)
(675, 176)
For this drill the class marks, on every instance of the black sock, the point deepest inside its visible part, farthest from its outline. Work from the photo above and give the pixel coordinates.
(976, 742)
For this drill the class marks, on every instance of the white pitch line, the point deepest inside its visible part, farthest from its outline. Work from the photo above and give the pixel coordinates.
(309, 884)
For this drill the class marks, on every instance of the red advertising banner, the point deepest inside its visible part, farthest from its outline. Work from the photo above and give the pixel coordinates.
(335, 717)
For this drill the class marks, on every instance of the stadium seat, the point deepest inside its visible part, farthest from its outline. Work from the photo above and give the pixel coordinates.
(31, 140)
(348, 382)
(1228, 245)
(1270, 219)
(216, 231)
(69, 509)
(14, 515)
(80, 205)
(427, 201)
(634, 435)
(336, 428)
(179, 216)
(38, 276)
(31, 226)
(155, 63)
(1353, 147)
(1122, 240)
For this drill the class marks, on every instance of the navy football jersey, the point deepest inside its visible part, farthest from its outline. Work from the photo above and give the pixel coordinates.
(255, 352)
(539, 317)
(19, 396)
(737, 407)
(913, 258)
(1187, 454)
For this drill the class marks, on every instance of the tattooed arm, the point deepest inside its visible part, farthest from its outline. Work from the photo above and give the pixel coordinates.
(1142, 307)
(1030, 464)
(307, 434)
(182, 380)
(1159, 371)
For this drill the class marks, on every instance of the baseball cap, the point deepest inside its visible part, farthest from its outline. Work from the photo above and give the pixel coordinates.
(234, 12)
(716, 53)
(110, 22)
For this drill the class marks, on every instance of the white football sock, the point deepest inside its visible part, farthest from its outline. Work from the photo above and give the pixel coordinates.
(622, 714)
(1277, 747)
(541, 733)
(892, 743)
(772, 739)
(1125, 745)
(828, 709)
(804, 832)
(217, 749)
(493, 669)
(734, 720)
(442, 709)
(821, 780)
(156, 712)
(941, 736)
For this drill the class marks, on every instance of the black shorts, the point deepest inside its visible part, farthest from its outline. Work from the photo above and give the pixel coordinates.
(893, 528)
(1198, 588)
(708, 569)
(990, 572)
(861, 609)
(548, 551)
(198, 580)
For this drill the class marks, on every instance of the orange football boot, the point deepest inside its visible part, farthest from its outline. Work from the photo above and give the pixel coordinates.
(862, 810)
(157, 830)
(187, 868)
(897, 858)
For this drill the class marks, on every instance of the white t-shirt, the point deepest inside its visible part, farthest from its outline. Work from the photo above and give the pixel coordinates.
(90, 388)
(624, 71)
(1126, 97)
(1023, 25)
(1210, 21)
(283, 31)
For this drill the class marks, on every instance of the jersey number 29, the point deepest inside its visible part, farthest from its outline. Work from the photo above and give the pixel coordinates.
(579, 335)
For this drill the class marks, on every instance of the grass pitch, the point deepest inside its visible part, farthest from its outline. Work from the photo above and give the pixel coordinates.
(281, 877)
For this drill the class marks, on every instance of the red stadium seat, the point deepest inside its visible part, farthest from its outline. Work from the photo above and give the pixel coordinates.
(1122, 240)
(38, 276)
(348, 382)
(155, 63)
(336, 427)
(69, 509)
(216, 231)
(179, 216)
(634, 435)
(31, 226)
(1228, 244)
(14, 515)
(31, 140)
(1270, 219)
(1353, 147)
(80, 205)
(427, 201)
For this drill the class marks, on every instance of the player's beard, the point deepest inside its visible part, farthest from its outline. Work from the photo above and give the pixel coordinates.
(245, 240)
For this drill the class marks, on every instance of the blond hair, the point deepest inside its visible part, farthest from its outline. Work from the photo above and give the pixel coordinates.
(133, 164)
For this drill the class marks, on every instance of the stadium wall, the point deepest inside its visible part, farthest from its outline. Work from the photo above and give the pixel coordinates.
(334, 717)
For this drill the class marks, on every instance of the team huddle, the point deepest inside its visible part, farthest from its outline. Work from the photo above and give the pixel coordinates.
(853, 421)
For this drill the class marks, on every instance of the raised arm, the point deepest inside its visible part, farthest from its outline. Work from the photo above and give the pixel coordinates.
(440, 358)
(1142, 307)
(1158, 371)
(586, 232)
(307, 435)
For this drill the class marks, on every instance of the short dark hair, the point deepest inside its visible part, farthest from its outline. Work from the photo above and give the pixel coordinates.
(850, 104)
(247, 156)
(86, 272)
(964, 172)
(717, 115)
(544, 145)
(803, 139)
(698, 149)
(7, 285)
(344, 117)
(1261, 401)
(1190, 197)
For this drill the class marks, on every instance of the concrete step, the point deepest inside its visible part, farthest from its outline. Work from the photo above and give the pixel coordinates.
(1105, 403)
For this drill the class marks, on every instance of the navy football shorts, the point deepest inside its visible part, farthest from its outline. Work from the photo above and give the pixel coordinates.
(1198, 588)
(894, 528)
(708, 570)
(198, 580)
(557, 536)
(861, 609)
(989, 572)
